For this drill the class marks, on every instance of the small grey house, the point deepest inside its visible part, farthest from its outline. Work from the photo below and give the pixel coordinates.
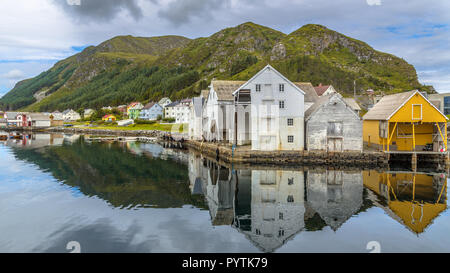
(333, 126)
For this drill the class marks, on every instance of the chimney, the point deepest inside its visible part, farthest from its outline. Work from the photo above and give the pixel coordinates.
(320, 85)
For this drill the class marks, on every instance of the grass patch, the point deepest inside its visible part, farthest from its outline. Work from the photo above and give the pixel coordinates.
(178, 128)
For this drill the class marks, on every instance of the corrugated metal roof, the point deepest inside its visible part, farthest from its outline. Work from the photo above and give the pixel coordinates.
(387, 106)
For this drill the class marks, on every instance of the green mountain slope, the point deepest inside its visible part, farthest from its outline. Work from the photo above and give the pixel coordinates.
(127, 68)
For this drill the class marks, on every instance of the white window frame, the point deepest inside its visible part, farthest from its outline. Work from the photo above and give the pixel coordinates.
(281, 87)
(258, 87)
(412, 112)
(281, 102)
(288, 123)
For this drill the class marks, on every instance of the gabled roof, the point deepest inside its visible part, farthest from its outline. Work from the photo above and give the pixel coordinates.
(225, 89)
(321, 89)
(39, 116)
(390, 104)
(321, 101)
(308, 88)
(149, 105)
(163, 100)
(276, 72)
(173, 104)
(352, 103)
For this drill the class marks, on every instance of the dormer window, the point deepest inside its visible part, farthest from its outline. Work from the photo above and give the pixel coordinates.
(281, 87)
(258, 88)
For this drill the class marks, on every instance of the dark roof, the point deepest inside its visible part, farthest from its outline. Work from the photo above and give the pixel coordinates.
(175, 103)
(310, 92)
(149, 105)
(321, 89)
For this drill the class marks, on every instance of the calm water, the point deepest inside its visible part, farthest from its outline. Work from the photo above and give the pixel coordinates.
(140, 197)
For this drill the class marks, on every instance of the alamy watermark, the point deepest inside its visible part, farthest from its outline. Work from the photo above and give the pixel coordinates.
(74, 246)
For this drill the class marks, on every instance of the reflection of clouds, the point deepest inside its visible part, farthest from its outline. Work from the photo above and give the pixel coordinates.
(99, 236)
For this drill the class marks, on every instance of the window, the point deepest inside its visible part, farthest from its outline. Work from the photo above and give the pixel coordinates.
(281, 104)
(335, 129)
(281, 233)
(258, 88)
(291, 181)
(290, 122)
(258, 232)
(447, 105)
(281, 87)
(417, 111)
(290, 139)
(290, 199)
(281, 216)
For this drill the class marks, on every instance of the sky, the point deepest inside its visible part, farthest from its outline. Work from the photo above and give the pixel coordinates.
(35, 34)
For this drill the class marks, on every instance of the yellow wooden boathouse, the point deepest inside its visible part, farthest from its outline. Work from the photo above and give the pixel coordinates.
(406, 122)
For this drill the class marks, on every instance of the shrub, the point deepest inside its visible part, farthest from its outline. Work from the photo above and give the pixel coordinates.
(141, 121)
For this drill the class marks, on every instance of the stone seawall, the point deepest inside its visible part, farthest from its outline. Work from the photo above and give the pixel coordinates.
(102, 132)
(243, 155)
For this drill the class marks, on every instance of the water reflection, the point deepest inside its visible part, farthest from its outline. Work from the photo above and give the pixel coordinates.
(413, 199)
(270, 207)
(157, 199)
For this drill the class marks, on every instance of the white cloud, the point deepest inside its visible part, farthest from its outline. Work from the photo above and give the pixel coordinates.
(14, 74)
(374, 2)
(43, 30)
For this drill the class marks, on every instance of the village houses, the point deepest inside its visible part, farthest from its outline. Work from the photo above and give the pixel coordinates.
(134, 109)
(164, 102)
(324, 90)
(179, 111)
(71, 115)
(151, 111)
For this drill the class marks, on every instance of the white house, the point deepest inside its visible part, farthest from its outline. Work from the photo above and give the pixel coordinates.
(88, 112)
(183, 111)
(57, 115)
(39, 120)
(324, 90)
(219, 111)
(71, 115)
(151, 111)
(196, 119)
(269, 112)
(169, 110)
(164, 102)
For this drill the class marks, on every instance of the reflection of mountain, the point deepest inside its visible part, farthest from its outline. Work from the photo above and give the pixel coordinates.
(413, 199)
(112, 173)
(334, 195)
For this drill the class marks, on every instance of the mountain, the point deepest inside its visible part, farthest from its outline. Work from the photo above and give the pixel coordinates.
(128, 68)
